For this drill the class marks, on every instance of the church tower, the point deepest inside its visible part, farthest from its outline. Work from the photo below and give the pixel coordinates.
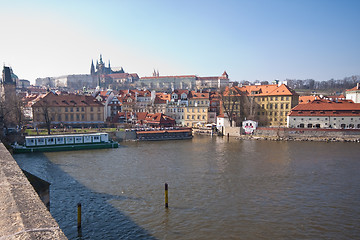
(92, 69)
(8, 85)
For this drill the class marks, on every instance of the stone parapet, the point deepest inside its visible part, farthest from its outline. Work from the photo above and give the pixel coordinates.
(22, 214)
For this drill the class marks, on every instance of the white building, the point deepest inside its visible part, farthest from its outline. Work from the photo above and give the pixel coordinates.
(74, 81)
(325, 114)
(353, 94)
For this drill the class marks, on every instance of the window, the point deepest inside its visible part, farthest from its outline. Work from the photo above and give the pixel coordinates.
(82, 116)
(77, 117)
(309, 125)
(91, 109)
(66, 109)
(71, 109)
(91, 117)
(82, 109)
(77, 109)
(71, 117)
(66, 117)
(282, 98)
(59, 118)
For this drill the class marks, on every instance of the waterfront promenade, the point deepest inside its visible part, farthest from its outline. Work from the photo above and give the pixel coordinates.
(22, 214)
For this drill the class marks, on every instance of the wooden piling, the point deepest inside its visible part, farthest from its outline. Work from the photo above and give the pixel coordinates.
(166, 196)
(79, 216)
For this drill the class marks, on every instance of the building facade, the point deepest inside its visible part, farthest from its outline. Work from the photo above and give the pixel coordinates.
(68, 110)
(267, 104)
(323, 113)
(196, 113)
(353, 94)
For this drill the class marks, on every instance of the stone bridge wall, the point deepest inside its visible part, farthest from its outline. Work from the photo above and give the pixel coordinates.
(22, 214)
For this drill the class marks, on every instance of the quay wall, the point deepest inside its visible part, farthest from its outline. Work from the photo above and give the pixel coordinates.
(296, 132)
(23, 214)
(303, 134)
(125, 135)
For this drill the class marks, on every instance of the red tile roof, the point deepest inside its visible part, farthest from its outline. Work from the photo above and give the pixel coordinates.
(70, 100)
(199, 95)
(267, 90)
(324, 107)
(181, 76)
(306, 99)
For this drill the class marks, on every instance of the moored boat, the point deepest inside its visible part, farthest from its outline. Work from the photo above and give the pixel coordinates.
(52, 143)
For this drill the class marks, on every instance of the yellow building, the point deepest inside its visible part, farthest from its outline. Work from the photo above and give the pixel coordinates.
(196, 113)
(268, 104)
(69, 109)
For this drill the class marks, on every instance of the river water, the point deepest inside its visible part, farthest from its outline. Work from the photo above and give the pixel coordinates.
(218, 189)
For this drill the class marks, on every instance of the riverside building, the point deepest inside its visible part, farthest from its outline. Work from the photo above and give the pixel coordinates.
(322, 113)
(69, 109)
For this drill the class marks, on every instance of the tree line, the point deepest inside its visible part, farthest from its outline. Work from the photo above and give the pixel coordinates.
(311, 84)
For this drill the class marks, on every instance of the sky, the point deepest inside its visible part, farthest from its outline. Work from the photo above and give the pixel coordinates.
(249, 39)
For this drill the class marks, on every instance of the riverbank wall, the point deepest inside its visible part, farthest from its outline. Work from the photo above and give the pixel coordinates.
(304, 134)
(23, 214)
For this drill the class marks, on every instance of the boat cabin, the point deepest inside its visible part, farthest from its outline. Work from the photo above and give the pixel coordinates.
(50, 140)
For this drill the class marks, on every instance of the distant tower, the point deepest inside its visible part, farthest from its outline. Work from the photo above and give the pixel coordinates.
(109, 65)
(8, 85)
(92, 69)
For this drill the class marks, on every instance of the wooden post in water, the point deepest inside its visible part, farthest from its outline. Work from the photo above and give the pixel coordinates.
(228, 136)
(79, 216)
(166, 196)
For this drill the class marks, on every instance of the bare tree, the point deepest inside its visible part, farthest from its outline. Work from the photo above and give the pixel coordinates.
(232, 102)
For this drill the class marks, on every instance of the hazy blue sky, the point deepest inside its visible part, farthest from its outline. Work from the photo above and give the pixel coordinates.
(251, 40)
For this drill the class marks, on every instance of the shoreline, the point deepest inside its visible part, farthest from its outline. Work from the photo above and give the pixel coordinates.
(300, 138)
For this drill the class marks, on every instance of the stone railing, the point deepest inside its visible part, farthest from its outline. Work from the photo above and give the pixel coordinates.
(22, 214)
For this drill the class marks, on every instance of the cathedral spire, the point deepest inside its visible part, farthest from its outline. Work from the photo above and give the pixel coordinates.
(101, 61)
(92, 69)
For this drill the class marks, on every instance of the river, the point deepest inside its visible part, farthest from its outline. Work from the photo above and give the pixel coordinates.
(218, 189)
